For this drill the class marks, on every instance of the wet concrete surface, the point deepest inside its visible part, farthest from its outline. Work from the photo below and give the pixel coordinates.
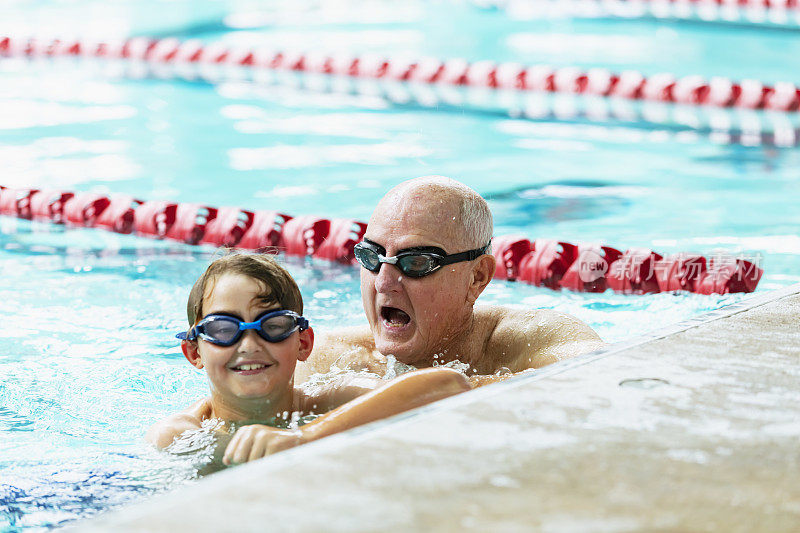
(695, 431)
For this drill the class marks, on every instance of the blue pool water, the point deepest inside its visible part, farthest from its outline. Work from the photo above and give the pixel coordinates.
(90, 360)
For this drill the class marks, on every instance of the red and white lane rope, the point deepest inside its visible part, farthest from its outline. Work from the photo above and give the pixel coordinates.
(664, 87)
(546, 263)
(785, 5)
(759, 13)
(748, 127)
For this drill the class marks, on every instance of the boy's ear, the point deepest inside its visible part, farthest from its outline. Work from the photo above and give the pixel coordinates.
(189, 349)
(306, 344)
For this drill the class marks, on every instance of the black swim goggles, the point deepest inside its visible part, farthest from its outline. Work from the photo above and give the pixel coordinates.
(414, 262)
(226, 330)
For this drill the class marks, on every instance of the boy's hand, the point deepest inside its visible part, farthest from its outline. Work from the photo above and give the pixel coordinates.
(255, 441)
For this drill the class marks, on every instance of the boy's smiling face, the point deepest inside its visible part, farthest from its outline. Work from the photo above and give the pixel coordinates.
(252, 368)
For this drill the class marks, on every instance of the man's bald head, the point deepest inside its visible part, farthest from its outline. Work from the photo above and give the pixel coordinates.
(471, 225)
(414, 318)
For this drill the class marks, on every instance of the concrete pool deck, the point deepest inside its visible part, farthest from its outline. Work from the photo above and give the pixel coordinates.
(693, 428)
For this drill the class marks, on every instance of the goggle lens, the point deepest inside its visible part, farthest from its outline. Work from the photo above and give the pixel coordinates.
(221, 329)
(416, 265)
(277, 327)
(367, 257)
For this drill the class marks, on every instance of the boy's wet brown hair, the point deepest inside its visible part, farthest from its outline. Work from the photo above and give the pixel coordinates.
(277, 282)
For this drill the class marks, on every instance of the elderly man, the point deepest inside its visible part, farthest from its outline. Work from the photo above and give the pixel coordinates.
(425, 260)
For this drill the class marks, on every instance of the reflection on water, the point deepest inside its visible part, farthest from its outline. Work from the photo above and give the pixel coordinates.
(51, 492)
(560, 201)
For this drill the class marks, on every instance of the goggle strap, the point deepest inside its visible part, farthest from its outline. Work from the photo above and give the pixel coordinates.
(464, 256)
(301, 323)
(186, 335)
(474, 254)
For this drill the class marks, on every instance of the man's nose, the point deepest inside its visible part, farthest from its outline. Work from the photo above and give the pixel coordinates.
(388, 278)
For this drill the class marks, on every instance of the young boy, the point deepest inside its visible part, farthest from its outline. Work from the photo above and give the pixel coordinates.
(251, 373)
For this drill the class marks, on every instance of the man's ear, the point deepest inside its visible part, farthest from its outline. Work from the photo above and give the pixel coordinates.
(306, 344)
(189, 349)
(482, 274)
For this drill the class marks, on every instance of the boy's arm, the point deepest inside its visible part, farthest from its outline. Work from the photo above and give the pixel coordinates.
(411, 390)
(163, 433)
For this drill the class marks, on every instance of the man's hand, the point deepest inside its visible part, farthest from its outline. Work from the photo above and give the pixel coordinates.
(256, 441)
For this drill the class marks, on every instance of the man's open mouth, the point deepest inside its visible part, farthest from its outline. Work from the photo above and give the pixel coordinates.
(394, 317)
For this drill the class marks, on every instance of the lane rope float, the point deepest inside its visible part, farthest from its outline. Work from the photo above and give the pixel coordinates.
(763, 14)
(191, 60)
(541, 262)
(630, 84)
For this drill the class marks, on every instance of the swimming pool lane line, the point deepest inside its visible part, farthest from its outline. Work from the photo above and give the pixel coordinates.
(662, 87)
(727, 126)
(739, 127)
(781, 15)
(547, 263)
(744, 127)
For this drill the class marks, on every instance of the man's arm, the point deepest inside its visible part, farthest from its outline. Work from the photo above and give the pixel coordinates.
(337, 390)
(163, 433)
(409, 391)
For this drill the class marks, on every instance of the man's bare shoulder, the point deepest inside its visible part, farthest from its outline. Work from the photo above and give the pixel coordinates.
(342, 345)
(353, 337)
(532, 338)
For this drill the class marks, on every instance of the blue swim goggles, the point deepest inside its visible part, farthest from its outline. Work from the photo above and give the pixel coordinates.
(226, 330)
